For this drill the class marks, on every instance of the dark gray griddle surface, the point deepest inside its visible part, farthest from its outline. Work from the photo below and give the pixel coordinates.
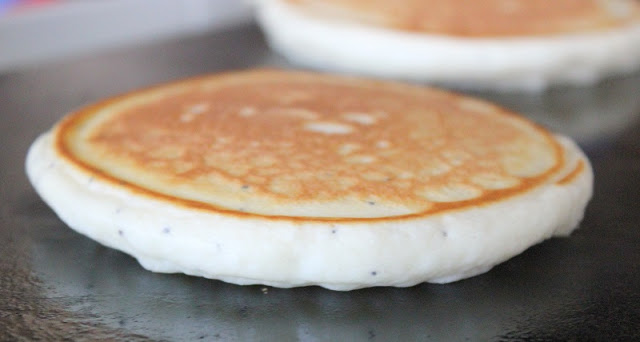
(57, 284)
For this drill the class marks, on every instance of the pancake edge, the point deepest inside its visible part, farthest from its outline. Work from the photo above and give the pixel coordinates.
(530, 64)
(341, 256)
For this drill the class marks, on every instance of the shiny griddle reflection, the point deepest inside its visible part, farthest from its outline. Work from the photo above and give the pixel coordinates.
(55, 283)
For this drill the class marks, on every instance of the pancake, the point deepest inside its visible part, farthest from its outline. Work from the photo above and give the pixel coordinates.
(294, 179)
(498, 44)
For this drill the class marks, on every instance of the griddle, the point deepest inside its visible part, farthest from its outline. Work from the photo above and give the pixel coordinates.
(58, 285)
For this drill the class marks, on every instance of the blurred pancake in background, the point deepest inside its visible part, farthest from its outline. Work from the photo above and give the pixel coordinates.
(497, 44)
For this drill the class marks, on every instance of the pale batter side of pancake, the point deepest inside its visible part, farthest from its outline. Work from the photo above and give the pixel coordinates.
(205, 146)
(471, 18)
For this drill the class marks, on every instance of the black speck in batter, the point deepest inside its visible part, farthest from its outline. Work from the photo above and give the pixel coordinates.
(371, 203)
(120, 232)
(333, 231)
(374, 273)
(245, 187)
(444, 233)
(166, 230)
(372, 334)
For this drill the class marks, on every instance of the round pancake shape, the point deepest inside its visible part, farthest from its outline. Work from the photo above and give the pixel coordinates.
(505, 45)
(293, 179)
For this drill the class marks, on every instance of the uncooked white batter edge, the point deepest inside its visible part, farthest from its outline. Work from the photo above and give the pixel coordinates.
(439, 248)
(505, 64)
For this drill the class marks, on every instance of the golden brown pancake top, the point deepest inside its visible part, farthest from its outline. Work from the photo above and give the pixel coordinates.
(280, 143)
(481, 18)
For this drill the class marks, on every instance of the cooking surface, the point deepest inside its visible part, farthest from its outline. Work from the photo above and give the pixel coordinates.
(55, 283)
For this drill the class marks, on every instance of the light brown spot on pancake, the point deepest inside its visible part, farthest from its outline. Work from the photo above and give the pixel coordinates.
(285, 186)
(456, 157)
(187, 117)
(435, 167)
(360, 118)
(424, 149)
(268, 172)
(167, 152)
(233, 169)
(348, 148)
(295, 112)
(521, 166)
(158, 164)
(361, 159)
(450, 193)
(247, 111)
(345, 182)
(182, 167)
(328, 127)
(193, 111)
(264, 161)
(253, 179)
(375, 176)
(404, 175)
(383, 144)
(492, 181)
(402, 184)
(198, 108)
(530, 162)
